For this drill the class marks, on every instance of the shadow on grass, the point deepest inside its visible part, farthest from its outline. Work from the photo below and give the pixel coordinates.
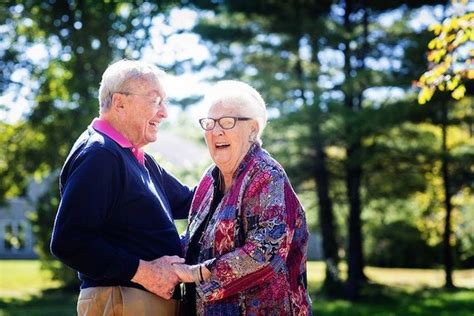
(378, 299)
(49, 302)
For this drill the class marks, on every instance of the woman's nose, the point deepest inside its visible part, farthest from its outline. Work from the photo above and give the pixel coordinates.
(217, 130)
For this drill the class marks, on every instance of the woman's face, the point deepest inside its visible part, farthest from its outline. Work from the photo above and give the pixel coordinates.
(228, 147)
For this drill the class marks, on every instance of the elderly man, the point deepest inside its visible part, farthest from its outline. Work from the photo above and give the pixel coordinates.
(115, 220)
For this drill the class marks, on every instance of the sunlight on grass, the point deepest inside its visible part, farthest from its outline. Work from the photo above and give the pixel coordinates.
(315, 271)
(416, 278)
(23, 278)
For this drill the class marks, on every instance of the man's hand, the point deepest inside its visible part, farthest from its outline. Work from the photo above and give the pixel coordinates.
(158, 276)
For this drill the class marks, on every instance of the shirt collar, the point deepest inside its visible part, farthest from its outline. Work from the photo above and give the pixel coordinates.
(105, 128)
(252, 152)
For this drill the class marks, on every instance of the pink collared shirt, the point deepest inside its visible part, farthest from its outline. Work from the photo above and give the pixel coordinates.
(104, 127)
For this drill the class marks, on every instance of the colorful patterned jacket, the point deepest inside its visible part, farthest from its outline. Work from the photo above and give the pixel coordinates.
(258, 237)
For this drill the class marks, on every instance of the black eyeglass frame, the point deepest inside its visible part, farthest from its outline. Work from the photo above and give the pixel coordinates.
(235, 118)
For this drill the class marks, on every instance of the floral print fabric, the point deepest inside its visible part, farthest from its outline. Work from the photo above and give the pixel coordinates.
(257, 241)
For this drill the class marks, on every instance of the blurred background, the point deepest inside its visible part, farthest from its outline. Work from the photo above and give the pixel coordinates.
(371, 114)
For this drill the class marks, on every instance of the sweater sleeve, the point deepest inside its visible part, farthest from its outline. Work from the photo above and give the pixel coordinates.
(270, 227)
(89, 194)
(178, 194)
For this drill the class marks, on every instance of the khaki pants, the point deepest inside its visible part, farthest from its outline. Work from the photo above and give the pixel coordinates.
(123, 301)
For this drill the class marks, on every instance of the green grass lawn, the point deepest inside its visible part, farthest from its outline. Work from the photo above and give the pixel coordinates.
(26, 290)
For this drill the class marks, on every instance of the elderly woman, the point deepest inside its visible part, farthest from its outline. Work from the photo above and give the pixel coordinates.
(247, 236)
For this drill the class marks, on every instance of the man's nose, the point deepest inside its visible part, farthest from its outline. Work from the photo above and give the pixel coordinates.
(163, 111)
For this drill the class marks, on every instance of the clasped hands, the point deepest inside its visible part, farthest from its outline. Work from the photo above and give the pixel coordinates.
(160, 276)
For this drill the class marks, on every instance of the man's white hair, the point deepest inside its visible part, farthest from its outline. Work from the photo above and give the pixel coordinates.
(120, 74)
(244, 97)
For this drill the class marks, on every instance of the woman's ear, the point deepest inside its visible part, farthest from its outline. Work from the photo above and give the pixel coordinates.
(255, 129)
(253, 133)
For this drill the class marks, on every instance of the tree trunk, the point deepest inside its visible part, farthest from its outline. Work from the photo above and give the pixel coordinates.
(332, 284)
(447, 249)
(355, 260)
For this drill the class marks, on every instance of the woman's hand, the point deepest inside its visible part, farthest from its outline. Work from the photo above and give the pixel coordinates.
(197, 273)
(206, 274)
(184, 272)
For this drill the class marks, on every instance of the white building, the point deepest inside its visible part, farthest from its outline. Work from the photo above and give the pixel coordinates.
(16, 236)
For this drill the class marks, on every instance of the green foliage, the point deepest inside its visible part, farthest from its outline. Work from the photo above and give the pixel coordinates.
(450, 56)
(294, 53)
(42, 221)
(399, 244)
(321, 103)
(464, 232)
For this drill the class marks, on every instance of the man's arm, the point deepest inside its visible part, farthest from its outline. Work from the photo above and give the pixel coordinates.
(89, 193)
(179, 195)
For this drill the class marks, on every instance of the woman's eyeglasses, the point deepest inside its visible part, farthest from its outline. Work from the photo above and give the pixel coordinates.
(226, 122)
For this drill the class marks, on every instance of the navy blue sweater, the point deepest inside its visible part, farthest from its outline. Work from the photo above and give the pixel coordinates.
(115, 211)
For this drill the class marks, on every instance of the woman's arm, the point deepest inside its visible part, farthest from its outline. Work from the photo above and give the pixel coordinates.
(196, 273)
(270, 208)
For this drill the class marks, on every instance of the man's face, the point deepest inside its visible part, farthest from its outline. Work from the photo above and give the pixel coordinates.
(144, 108)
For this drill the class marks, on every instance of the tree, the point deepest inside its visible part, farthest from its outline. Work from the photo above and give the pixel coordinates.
(274, 65)
(448, 70)
(360, 38)
(321, 133)
(450, 55)
(77, 39)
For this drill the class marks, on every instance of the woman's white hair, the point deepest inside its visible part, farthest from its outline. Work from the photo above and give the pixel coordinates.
(120, 74)
(244, 97)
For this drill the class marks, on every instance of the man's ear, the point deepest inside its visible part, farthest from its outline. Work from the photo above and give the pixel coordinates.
(117, 102)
